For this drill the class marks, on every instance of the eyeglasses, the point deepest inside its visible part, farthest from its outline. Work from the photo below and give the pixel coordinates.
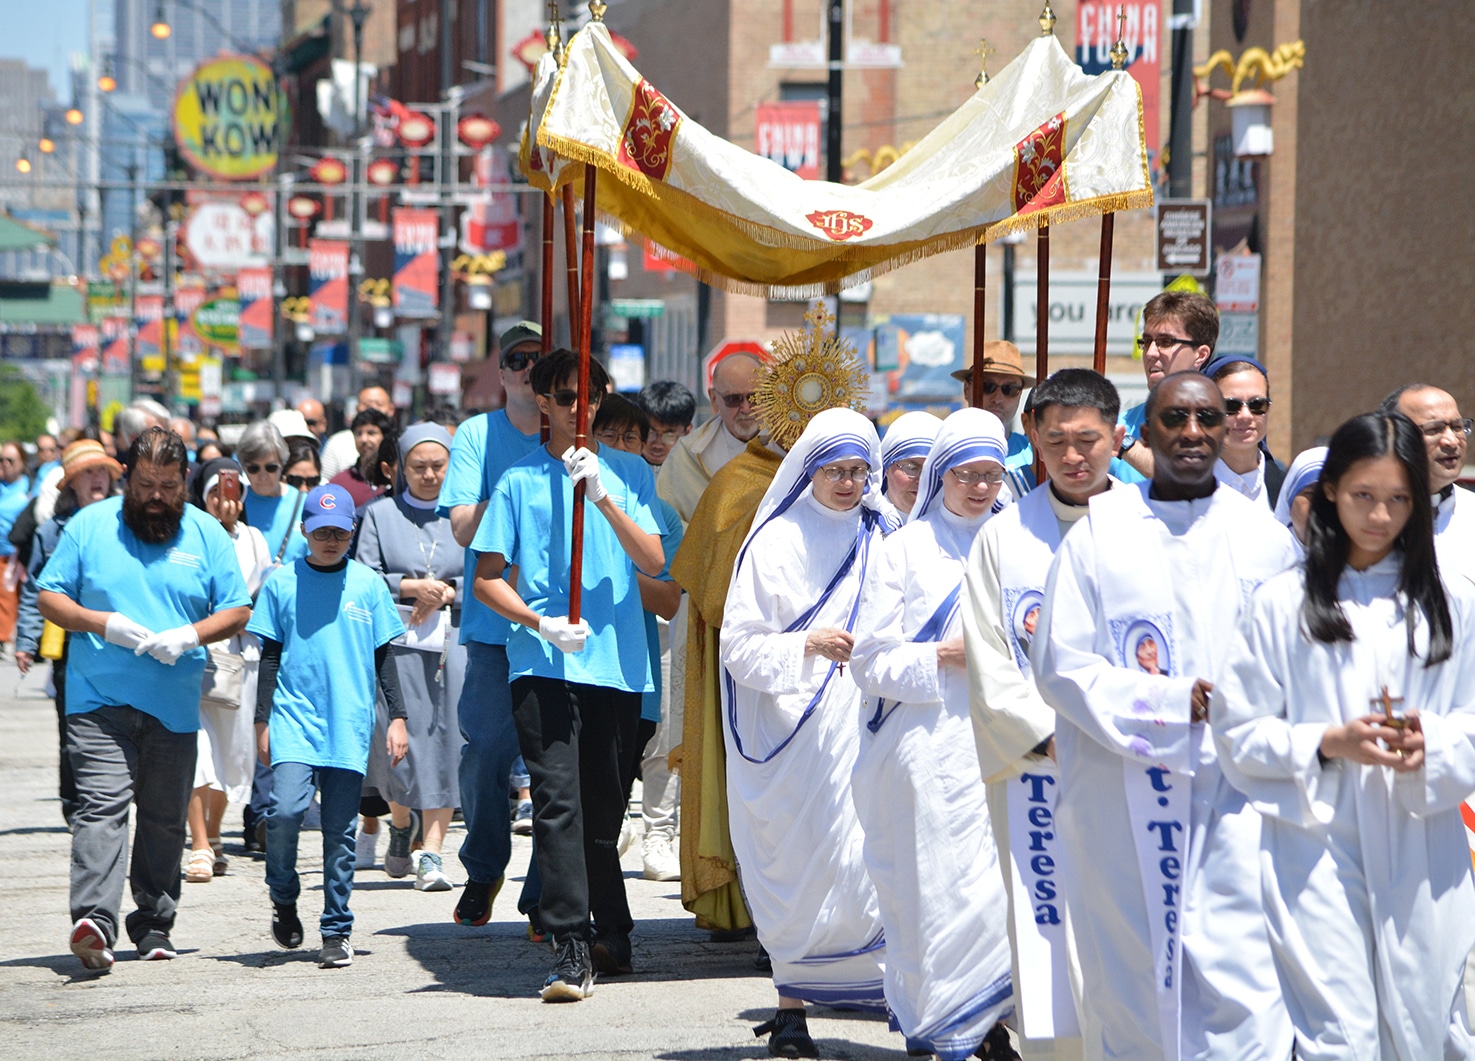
(1176, 418)
(670, 438)
(969, 478)
(331, 534)
(1164, 342)
(256, 469)
(836, 474)
(567, 398)
(1011, 390)
(737, 401)
(304, 482)
(1257, 406)
(521, 359)
(628, 438)
(1435, 428)
(910, 469)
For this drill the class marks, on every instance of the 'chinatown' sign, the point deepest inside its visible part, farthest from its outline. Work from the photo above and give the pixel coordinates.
(231, 118)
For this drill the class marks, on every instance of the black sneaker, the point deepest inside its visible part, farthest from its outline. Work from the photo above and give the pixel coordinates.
(155, 947)
(475, 905)
(286, 927)
(337, 953)
(997, 1046)
(572, 977)
(788, 1035)
(611, 954)
(762, 962)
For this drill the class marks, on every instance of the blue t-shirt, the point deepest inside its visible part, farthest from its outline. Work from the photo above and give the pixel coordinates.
(528, 521)
(669, 521)
(329, 624)
(102, 565)
(14, 497)
(273, 517)
(484, 447)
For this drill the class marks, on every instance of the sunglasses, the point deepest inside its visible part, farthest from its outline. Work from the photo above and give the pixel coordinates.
(256, 469)
(1257, 406)
(331, 534)
(1011, 390)
(737, 401)
(304, 482)
(520, 360)
(567, 398)
(1176, 418)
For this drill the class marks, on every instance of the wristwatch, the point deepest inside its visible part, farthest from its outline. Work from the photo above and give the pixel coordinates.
(1127, 444)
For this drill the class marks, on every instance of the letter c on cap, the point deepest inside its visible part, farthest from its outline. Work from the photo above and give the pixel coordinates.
(328, 502)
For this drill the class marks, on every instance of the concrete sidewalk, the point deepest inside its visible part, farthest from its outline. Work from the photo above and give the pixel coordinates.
(420, 986)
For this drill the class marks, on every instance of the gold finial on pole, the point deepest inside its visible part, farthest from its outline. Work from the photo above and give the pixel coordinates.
(983, 51)
(597, 9)
(1119, 49)
(1047, 21)
(555, 45)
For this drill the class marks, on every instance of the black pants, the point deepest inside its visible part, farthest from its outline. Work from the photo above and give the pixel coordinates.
(575, 740)
(645, 729)
(68, 784)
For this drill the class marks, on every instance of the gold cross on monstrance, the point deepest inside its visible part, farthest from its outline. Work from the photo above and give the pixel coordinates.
(983, 51)
(1386, 702)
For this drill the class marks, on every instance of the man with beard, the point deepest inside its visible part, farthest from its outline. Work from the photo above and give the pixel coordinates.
(143, 582)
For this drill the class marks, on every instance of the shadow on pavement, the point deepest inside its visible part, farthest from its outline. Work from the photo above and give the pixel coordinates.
(271, 959)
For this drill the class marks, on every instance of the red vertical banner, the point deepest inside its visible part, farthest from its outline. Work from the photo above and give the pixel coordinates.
(416, 262)
(253, 288)
(789, 133)
(1097, 29)
(327, 269)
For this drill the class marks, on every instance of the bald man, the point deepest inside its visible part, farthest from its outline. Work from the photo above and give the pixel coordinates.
(316, 416)
(1446, 438)
(697, 457)
(340, 452)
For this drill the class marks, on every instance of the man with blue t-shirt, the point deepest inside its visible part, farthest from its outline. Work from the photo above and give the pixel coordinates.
(142, 581)
(576, 686)
(485, 446)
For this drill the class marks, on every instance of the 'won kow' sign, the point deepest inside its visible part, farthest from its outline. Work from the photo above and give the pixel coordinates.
(231, 118)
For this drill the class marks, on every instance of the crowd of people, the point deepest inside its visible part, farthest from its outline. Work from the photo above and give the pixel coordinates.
(1045, 729)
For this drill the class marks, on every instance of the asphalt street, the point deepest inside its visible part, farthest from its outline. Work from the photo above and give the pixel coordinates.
(420, 986)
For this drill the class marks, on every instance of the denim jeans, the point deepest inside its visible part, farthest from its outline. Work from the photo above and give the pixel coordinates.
(338, 791)
(575, 739)
(485, 716)
(122, 756)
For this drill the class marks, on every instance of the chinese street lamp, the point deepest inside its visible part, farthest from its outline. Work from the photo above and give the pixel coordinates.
(47, 145)
(73, 116)
(161, 28)
(23, 164)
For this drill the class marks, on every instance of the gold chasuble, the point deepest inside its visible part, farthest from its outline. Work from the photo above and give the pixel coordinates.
(703, 567)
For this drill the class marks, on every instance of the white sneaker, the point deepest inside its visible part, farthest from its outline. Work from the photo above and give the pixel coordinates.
(628, 836)
(661, 863)
(365, 850)
(430, 875)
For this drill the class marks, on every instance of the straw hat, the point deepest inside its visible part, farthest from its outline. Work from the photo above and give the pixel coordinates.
(82, 455)
(1000, 357)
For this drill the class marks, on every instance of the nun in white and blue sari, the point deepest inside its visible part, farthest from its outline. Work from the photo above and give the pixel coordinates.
(917, 786)
(789, 707)
(904, 448)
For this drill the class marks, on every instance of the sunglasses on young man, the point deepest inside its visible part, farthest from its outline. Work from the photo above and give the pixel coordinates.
(519, 360)
(567, 398)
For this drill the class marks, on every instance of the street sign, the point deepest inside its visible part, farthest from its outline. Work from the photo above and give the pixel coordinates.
(641, 308)
(381, 351)
(1239, 334)
(1184, 227)
(1237, 283)
(231, 118)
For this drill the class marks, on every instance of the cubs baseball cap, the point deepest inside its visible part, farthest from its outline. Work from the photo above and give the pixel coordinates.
(327, 506)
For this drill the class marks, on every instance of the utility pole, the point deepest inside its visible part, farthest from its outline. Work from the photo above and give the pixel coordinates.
(135, 365)
(834, 113)
(358, 14)
(447, 174)
(1180, 135)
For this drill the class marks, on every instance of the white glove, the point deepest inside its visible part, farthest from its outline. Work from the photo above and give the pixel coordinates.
(562, 634)
(583, 466)
(124, 632)
(168, 645)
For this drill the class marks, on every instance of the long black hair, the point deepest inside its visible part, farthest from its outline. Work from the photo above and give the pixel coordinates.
(1369, 436)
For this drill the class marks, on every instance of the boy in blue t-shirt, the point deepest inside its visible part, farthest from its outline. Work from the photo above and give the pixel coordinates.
(325, 624)
(576, 686)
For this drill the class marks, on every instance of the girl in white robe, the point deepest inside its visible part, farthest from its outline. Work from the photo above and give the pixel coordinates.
(1368, 890)
(917, 787)
(790, 710)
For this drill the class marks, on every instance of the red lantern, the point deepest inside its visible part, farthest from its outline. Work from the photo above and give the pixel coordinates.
(303, 207)
(254, 203)
(416, 130)
(383, 172)
(477, 131)
(329, 171)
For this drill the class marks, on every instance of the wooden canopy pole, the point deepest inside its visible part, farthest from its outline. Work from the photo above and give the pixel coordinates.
(571, 262)
(581, 423)
(546, 345)
(980, 282)
(1103, 293)
(1042, 320)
